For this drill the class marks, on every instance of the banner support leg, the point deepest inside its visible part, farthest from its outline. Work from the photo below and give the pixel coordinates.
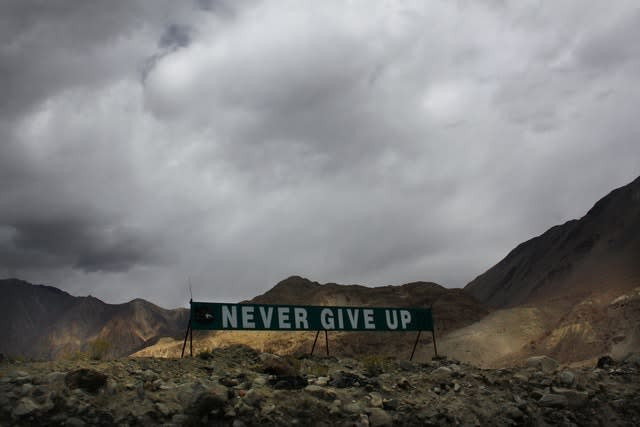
(415, 344)
(435, 347)
(186, 335)
(326, 341)
(314, 343)
(191, 341)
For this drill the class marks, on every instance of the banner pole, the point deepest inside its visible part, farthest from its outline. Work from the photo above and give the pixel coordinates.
(190, 326)
(433, 333)
(186, 335)
(415, 344)
(326, 341)
(314, 343)
(435, 347)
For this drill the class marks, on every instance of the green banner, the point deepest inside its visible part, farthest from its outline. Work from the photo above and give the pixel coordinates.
(267, 317)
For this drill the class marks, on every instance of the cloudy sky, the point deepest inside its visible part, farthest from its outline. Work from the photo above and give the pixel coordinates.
(241, 142)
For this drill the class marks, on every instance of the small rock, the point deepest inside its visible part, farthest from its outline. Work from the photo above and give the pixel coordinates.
(253, 397)
(512, 412)
(455, 368)
(404, 384)
(276, 365)
(352, 408)
(228, 382)
(605, 362)
(575, 399)
(163, 409)
(180, 419)
(322, 380)
(320, 392)
(206, 402)
(140, 390)
(266, 410)
(376, 400)
(442, 371)
(536, 394)
(86, 379)
(390, 404)
(543, 363)
(566, 378)
(336, 407)
(25, 407)
(521, 377)
(288, 382)
(379, 418)
(25, 389)
(553, 401)
(74, 422)
(259, 381)
(55, 377)
(112, 386)
(242, 408)
(22, 379)
(149, 376)
(456, 387)
(406, 365)
(344, 380)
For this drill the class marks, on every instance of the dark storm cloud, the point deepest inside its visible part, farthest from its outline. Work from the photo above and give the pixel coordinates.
(82, 244)
(237, 143)
(175, 36)
(48, 47)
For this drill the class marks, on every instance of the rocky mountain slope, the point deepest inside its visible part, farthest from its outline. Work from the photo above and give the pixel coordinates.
(452, 309)
(240, 387)
(45, 322)
(598, 253)
(573, 292)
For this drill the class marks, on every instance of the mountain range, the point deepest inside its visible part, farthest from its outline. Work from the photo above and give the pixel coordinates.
(46, 322)
(572, 292)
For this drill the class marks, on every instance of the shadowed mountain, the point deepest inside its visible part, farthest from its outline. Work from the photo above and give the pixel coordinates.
(452, 308)
(598, 253)
(572, 292)
(45, 322)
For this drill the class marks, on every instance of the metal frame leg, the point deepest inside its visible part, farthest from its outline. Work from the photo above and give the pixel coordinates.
(415, 344)
(314, 343)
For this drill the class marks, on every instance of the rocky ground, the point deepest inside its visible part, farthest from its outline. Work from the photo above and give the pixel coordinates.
(238, 387)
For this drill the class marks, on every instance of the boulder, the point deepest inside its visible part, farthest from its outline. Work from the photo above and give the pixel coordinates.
(553, 401)
(379, 418)
(86, 379)
(566, 378)
(543, 363)
(276, 365)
